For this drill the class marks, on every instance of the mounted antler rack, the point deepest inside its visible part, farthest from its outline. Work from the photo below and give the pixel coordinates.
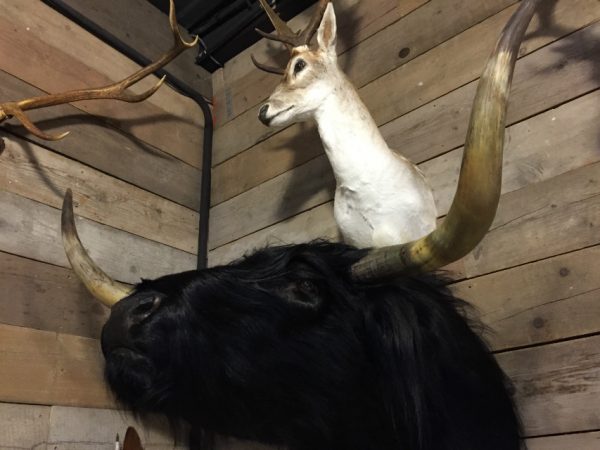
(285, 35)
(115, 91)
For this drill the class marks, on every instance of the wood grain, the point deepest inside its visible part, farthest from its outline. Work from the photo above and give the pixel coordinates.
(557, 385)
(73, 428)
(534, 150)
(412, 86)
(142, 26)
(420, 31)
(23, 426)
(280, 198)
(542, 220)
(67, 57)
(94, 142)
(32, 230)
(46, 297)
(316, 223)
(38, 174)
(533, 153)
(543, 301)
(551, 76)
(44, 368)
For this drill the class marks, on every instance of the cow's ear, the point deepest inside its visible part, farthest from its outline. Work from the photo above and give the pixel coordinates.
(304, 293)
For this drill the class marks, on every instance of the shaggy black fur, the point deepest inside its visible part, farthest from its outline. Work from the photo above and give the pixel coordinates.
(284, 348)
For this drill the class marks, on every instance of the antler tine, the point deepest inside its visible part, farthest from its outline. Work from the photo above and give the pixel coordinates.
(284, 33)
(115, 91)
(175, 28)
(315, 21)
(179, 45)
(18, 114)
(266, 68)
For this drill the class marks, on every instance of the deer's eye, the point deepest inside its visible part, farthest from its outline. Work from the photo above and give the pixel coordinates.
(299, 66)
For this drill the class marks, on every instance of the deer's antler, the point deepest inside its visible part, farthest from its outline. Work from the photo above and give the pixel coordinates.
(286, 35)
(115, 91)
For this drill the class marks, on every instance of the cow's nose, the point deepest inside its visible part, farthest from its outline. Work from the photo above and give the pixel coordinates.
(262, 114)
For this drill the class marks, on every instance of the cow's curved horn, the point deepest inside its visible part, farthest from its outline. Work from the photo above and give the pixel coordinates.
(474, 205)
(103, 287)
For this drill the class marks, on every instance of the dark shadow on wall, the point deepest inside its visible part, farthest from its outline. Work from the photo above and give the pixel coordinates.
(570, 50)
(312, 174)
(73, 122)
(95, 143)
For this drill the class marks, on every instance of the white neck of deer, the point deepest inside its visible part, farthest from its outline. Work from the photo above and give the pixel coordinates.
(349, 134)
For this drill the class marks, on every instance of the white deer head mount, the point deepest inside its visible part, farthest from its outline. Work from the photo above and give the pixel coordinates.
(312, 74)
(381, 198)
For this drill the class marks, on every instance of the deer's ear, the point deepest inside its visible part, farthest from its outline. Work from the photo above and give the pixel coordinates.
(326, 36)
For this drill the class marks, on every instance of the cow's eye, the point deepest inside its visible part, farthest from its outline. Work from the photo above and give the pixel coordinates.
(308, 287)
(299, 66)
(145, 308)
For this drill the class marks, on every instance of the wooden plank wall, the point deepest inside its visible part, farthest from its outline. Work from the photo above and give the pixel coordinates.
(135, 173)
(535, 278)
(67, 428)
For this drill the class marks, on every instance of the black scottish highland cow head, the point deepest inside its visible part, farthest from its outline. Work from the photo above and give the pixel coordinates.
(285, 348)
(323, 346)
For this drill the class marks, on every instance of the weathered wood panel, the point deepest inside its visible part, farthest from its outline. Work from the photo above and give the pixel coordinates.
(41, 34)
(316, 223)
(47, 297)
(32, 230)
(29, 426)
(23, 426)
(37, 427)
(557, 385)
(284, 196)
(548, 77)
(365, 62)
(357, 20)
(95, 429)
(532, 154)
(548, 300)
(544, 219)
(38, 174)
(406, 89)
(94, 142)
(579, 441)
(535, 150)
(45, 368)
(142, 26)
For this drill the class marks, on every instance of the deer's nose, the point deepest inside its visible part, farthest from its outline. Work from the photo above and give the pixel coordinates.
(262, 114)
